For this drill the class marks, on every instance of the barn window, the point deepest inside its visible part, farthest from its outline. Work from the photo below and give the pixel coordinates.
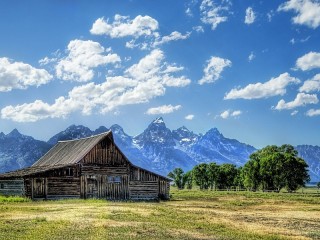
(69, 172)
(114, 179)
(1, 186)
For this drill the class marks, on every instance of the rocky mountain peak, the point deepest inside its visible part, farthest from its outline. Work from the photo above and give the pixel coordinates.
(2, 135)
(184, 135)
(156, 132)
(117, 129)
(72, 132)
(213, 133)
(158, 120)
(14, 134)
(100, 129)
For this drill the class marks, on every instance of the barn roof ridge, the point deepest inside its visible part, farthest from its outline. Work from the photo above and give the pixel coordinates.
(92, 136)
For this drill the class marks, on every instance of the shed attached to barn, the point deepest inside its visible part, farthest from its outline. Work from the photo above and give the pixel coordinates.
(92, 167)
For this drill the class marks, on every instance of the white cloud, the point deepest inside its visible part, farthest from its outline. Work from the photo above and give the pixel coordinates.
(275, 86)
(213, 13)
(123, 26)
(189, 117)
(198, 29)
(270, 15)
(301, 99)
(311, 85)
(294, 113)
(19, 75)
(189, 12)
(313, 112)
(292, 41)
(251, 57)
(250, 16)
(308, 61)
(139, 83)
(164, 109)
(228, 113)
(308, 12)
(213, 70)
(45, 61)
(174, 36)
(82, 57)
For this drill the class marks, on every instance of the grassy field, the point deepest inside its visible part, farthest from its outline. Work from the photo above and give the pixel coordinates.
(189, 215)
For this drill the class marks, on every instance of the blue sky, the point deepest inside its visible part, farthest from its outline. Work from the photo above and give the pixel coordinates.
(249, 68)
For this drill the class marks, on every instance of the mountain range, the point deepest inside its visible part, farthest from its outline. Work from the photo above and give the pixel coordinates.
(157, 148)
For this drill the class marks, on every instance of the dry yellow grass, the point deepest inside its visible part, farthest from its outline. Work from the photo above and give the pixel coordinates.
(189, 215)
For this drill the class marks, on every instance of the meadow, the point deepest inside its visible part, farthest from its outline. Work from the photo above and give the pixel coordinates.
(190, 214)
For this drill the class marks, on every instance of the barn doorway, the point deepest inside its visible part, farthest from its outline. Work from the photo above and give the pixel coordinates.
(117, 187)
(39, 188)
(92, 188)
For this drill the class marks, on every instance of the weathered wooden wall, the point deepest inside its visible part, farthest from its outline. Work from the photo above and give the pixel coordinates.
(12, 187)
(143, 190)
(106, 153)
(54, 184)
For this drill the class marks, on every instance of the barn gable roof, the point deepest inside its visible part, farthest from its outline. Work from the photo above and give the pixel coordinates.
(70, 152)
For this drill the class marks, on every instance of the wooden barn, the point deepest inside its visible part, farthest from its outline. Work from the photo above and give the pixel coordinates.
(92, 167)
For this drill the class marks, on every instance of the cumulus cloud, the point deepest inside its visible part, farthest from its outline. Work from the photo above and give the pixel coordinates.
(139, 83)
(82, 58)
(164, 109)
(295, 112)
(189, 117)
(213, 13)
(19, 75)
(313, 112)
(308, 61)
(228, 113)
(213, 70)
(301, 99)
(308, 12)
(250, 16)
(275, 86)
(123, 26)
(174, 36)
(311, 85)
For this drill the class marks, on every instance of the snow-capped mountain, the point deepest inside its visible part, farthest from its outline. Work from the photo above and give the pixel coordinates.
(72, 132)
(157, 148)
(213, 146)
(19, 151)
(311, 154)
(157, 144)
(184, 136)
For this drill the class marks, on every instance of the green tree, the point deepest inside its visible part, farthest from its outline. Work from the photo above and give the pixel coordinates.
(251, 173)
(271, 168)
(238, 180)
(318, 185)
(200, 175)
(295, 172)
(276, 167)
(226, 175)
(212, 173)
(188, 179)
(177, 176)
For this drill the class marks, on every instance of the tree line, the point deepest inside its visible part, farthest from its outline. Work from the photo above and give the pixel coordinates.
(269, 169)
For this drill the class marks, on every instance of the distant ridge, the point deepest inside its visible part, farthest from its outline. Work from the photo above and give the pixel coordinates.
(157, 148)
